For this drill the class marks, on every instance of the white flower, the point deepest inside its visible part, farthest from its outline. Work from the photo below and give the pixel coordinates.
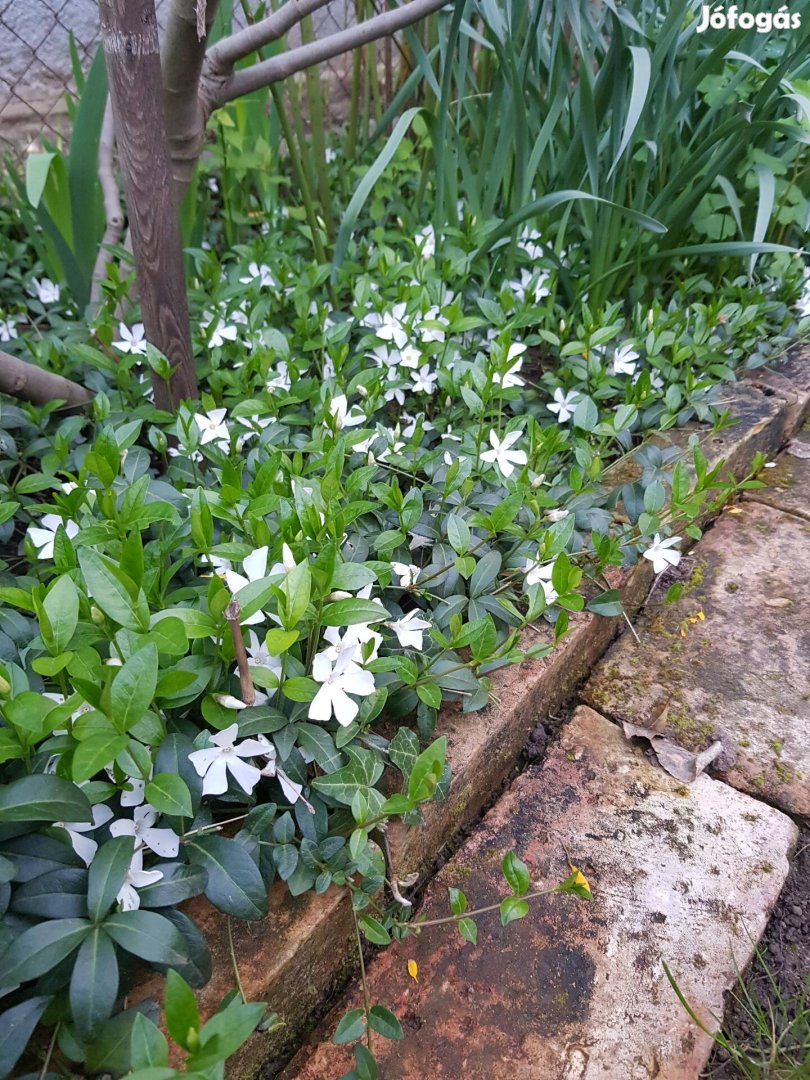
(532, 284)
(46, 291)
(556, 515)
(255, 567)
(410, 357)
(226, 756)
(222, 332)
(131, 341)
(660, 553)
(338, 680)
(538, 573)
(136, 878)
(8, 329)
(424, 380)
(164, 842)
(430, 333)
(390, 327)
(409, 630)
(501, 454)
(212, 428)
(511, 377)
(407, 574)
(84, 847)
(345, 417)
(44, 534)
(802, 305)
(624, 361)
(261, 272)
(281, 380)
(394, 391)
(260, 657)
(426, 242)
(528, 241)
(564, 404)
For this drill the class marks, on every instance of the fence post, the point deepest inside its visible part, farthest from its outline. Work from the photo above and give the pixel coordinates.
(129, 36)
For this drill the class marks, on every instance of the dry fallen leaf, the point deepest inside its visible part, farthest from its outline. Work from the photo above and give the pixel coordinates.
(684, 765)
(413, 969)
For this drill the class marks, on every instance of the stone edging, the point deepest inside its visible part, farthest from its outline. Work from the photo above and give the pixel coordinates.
(301, 952)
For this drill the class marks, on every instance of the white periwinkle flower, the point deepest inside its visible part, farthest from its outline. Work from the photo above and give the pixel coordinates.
(46, 291)
(564, 404)
(212, 428)
(409, 630)
(84, 846)
(406, 573)
(510, 376)
(44, 534)
(426, 242)
(8, 329)
(136, 878)
(164, 842)
(214, 763)
(222, 332)
(538, 573)
(390, 327)
(131, 341)
(343, 415)
(338, 680)
(624, 361)
(424, 380)
(501, 453)
(661, 553)
(259, 272)
(255, 567)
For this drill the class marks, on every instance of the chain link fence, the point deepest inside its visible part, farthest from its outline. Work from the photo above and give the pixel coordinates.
(37, 74)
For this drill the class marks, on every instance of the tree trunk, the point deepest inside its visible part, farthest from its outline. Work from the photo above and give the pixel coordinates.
(130, 40)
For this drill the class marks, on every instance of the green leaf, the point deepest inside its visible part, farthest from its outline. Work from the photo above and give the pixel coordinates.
(61, 606)
(374, 930)
(93, 984)
(148, 936)
(353, 613)
(352, 1026)
(180, 1009)
(116, 594)
(234, 885)
(427, 771)
(516, 873)
(458, 533)
(229, 1028)
(39, 949)
(468, 930)
(16, 1028)
(133, 687)
(350, 577)
(365, 1065)
(296, 588)
(96, 753)
(403, 750)
(299, 688)
(608, 603)
(431, 694)
(169, 794)
(384, 1022)
(512, 908)
(458, 901)
(106, 875)
(149, 1048)
(278, 641)
(321, 745)
(43, 798)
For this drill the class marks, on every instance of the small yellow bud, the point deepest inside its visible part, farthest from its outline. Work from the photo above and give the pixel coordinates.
(97, 615)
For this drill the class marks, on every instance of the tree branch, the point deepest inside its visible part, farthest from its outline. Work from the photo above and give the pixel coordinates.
(113, 213)
(31, 383)
(219, 91)
(222, 56)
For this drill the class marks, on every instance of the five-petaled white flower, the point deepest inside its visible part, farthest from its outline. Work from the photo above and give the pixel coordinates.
(501, 453)
(406, 573)
(661, 553)
(46, 291)
(255, 567)
(227, 756)
(510, 377)
(222, 332)
(212, 428)
(261, 272)
(131, 341)
(136, 878)
(538, 573)
(8, 329)
(564, 404)
(164, 842)
(44, 534)
(426, 242)
(424, 380)
(409, 629)
(83, 845)
(280, 380)
(624, 360)
(338, 679)
(390, 327)
(260, 657)
(343, 415)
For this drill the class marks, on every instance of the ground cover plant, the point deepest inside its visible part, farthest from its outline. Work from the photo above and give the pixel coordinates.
(226, 632)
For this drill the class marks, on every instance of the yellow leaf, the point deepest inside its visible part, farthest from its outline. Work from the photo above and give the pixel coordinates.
(413, 969)
(580, 879)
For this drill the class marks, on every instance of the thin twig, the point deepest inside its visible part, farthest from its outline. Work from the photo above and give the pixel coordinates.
(51, 1045)
(232, 952)
(363, 980)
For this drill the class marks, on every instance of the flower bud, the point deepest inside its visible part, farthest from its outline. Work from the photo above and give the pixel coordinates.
(5, 686)
(339, 594)
(97, 615)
